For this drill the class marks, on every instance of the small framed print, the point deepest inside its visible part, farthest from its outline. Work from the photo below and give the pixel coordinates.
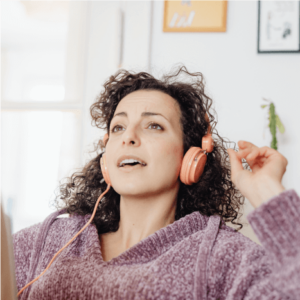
(278, 27)
(195, 16)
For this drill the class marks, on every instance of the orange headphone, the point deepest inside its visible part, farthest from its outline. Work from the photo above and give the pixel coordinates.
(193, 161)
(191, 169)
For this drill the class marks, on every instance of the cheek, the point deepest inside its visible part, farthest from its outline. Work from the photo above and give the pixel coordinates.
(174, 151)
(172, 155)
(178, 154)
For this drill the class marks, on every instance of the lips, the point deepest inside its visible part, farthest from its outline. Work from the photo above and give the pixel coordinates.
(130, 157)
(129, 168)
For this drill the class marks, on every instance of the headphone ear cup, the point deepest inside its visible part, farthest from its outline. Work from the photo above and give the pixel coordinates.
(198, 168)
(104, 169)
(192, 165)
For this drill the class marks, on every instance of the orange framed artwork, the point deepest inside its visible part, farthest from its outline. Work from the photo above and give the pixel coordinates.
(195, 16)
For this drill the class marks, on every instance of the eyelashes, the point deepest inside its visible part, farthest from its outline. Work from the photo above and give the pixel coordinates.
(152, 124)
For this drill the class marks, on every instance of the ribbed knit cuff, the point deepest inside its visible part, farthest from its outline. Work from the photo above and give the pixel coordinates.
(277, 225)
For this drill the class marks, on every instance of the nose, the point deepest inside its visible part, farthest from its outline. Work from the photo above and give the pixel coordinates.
(130, 136)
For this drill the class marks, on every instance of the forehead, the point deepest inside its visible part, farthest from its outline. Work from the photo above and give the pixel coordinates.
(147, 99)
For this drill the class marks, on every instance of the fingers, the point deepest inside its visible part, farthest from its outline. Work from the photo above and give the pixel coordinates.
(249, 147)
(272, 154)
(245, 144)
(257, 157)
(251, 151)
(235, 162)
(253, 156)
(255, 168)
(243, 153)
(247, 151)
(267, 151)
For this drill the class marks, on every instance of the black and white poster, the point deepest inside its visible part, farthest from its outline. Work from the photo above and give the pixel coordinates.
(278, 26)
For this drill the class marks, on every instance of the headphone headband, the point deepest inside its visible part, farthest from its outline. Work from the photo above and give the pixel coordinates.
(207, 140)
(209, 126)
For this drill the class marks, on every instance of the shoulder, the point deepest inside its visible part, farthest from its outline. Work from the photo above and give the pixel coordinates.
(50, 235)
(236, 256)
(235, 261)
(25, 240)
(236, 246)
(229, 244)
(23, 244)
(64, 227)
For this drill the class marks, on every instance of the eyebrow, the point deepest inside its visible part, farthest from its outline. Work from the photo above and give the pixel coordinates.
(144, 114)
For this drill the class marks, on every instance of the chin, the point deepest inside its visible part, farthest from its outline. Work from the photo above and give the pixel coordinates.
(129, 188)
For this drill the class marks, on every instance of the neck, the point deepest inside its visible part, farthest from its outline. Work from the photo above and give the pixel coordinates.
(139, 218)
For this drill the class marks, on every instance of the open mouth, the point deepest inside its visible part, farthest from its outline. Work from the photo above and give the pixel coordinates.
(131, 165)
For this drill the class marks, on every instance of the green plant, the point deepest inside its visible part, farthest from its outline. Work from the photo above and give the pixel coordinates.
(274, 123)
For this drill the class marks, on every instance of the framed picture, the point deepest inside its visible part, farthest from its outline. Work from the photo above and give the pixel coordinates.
(278, 27)
(195, 16)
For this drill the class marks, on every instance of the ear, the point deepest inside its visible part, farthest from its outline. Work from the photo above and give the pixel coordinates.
(105, 139)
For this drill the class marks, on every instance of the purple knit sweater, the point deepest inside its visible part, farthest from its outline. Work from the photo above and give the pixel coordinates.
(192, 258)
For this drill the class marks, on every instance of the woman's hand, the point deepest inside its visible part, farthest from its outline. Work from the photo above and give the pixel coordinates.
(268, 167)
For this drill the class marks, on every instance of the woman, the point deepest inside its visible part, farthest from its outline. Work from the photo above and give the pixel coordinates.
(154, 236)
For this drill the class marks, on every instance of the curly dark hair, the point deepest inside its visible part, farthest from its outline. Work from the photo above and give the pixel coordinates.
(214, 194)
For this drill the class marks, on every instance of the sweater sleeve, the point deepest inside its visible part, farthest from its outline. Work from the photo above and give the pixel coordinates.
(23, 242)
(277, 226)
(241, 269)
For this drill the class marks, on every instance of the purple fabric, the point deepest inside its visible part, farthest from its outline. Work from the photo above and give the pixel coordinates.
(196, 257)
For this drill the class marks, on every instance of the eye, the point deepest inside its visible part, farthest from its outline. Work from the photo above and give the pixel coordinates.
(155, 124)
(151, 124)
(113, 130)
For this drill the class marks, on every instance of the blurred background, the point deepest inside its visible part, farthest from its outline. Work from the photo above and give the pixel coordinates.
(56, 56)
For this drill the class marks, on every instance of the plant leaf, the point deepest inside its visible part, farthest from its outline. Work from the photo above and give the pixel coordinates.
(279, 125)
(263, 106)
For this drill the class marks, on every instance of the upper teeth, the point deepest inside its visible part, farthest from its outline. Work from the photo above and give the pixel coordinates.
(126, 161)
